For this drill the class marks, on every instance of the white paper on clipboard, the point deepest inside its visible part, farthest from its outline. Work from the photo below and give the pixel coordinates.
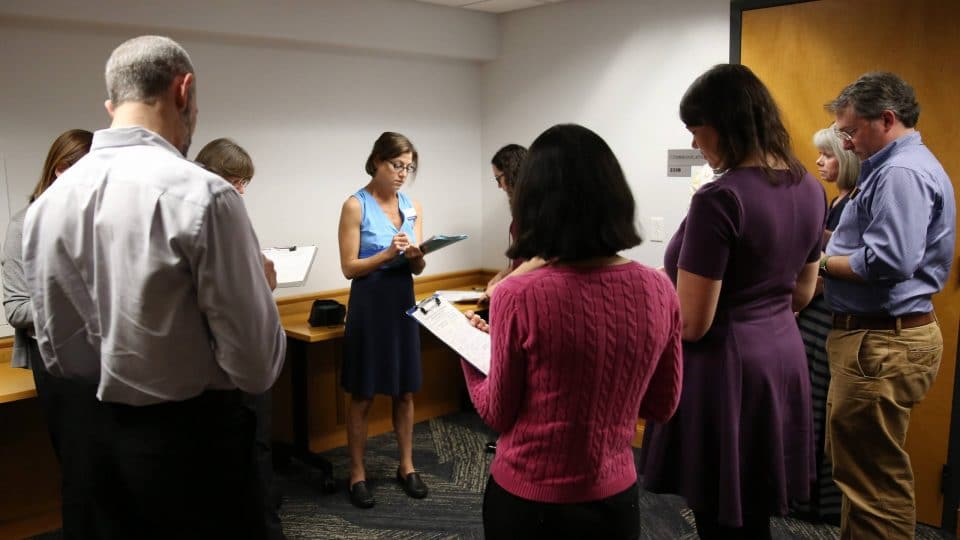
(449, 325)
(292, 264)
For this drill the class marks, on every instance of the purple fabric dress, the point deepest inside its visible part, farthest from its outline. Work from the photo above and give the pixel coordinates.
(742, 439)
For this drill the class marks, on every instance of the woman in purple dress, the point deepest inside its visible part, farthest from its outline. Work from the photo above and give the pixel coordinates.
(740, 446)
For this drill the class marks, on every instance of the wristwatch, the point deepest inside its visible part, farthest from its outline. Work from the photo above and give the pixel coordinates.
(823, 264)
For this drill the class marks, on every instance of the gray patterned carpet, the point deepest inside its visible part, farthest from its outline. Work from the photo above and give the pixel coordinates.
(448, 452)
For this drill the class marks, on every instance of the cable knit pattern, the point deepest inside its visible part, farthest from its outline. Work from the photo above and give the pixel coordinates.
(576, 355)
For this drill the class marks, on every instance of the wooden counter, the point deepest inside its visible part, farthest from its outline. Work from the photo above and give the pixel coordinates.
(313, 367)
(30, 486)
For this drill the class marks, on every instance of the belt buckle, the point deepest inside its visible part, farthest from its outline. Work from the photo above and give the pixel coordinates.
(848, 322)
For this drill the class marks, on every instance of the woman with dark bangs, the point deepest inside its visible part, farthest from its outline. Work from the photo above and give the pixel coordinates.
(579, 349)
(745, 258)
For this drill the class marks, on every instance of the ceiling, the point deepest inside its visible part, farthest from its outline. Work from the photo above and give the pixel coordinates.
(492, 6)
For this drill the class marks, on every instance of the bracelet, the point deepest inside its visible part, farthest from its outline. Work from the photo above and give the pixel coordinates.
(823, 264)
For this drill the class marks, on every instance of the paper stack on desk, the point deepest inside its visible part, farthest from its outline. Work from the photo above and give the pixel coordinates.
(460, 296)
(449, 325)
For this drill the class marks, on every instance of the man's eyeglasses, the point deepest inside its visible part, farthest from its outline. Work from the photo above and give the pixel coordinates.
(845, 134)
(399, 166)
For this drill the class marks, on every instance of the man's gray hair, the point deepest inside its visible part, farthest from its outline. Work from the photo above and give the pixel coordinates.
(876, 92)
(142, 68)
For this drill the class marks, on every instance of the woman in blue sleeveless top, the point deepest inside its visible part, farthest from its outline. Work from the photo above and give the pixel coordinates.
(380, 233)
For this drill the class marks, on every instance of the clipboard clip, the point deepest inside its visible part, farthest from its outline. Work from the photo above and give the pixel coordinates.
(428, 304)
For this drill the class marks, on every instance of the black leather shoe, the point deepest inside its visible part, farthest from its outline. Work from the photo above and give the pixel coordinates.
(412, 485)
(360, 496)
(491, 447)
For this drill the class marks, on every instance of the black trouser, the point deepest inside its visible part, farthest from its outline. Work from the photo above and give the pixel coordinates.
(507, 516)
(173, 470)
(261, 405)
(755, 527)
(70, 411)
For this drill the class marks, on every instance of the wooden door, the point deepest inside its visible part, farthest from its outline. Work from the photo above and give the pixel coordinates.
(806, 53)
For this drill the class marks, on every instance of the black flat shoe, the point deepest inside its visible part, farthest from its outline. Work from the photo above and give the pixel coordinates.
(360, 496)
(412, 485)
(491, 447)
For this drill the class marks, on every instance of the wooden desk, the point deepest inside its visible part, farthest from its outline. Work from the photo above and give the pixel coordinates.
(310, 407)
(15, 383)
(30, 490)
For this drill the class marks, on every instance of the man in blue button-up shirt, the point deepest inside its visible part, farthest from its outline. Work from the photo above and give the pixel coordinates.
(889, 254)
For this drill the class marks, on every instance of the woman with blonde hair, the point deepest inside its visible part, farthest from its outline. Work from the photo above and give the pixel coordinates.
(842, 167)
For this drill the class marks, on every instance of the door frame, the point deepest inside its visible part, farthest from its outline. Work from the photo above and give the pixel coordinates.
(737, 7)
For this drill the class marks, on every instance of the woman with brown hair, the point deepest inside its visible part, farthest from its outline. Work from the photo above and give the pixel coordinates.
(745, 258)
(380, 233)
(229, 160)
(579, 349)
(66, 150)
(52, 391)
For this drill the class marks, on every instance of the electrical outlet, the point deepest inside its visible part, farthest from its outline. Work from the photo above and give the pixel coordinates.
(656, 229)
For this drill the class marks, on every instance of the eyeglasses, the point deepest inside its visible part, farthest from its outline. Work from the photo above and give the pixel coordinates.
(399, 166)
(845, 134)
(498, 178)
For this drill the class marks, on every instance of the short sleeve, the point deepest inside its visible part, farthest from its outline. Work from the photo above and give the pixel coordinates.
(713, 225)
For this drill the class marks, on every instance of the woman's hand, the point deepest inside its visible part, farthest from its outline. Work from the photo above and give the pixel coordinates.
(413, 251)
(270, 271)
(398, 244)
(477, 321)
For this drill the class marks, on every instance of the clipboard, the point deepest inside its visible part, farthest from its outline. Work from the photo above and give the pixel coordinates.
(450, 326)
(434, 243)
(292, 264)
(439, 241)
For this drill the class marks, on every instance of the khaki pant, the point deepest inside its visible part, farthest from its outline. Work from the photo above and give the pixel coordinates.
(877, 376)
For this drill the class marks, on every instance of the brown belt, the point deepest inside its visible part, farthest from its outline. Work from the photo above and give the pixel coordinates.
(846, 321)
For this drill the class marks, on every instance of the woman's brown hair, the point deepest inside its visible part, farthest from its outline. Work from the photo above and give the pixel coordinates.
(733, 101)
(388, 146)
(226, 159)
(66, 150)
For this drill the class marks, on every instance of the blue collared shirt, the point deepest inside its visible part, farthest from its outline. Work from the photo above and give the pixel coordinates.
(898, 230)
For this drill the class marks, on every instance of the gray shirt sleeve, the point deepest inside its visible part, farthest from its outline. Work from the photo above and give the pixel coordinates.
(249, 342)
(16, 299)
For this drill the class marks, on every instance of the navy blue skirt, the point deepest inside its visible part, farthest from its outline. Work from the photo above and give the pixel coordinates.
(381, 343)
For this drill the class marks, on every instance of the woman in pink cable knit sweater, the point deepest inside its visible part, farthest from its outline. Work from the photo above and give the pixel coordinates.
(580, 349)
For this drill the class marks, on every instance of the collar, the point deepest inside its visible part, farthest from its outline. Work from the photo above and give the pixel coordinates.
(130, 136)
(894, 147)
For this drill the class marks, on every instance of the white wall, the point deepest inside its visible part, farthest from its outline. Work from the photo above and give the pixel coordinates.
(308, 86)
(619, 67)
(307, 113)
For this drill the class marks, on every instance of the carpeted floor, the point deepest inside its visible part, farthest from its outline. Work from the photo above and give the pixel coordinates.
(448, 452)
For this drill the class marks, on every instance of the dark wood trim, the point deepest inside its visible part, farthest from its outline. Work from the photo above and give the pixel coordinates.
(737, 7)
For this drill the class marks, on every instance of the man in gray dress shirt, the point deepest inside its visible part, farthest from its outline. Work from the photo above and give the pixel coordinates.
(149, 289)
(890, 253)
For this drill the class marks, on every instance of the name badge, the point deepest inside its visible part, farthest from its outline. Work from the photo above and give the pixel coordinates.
(410, 214)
